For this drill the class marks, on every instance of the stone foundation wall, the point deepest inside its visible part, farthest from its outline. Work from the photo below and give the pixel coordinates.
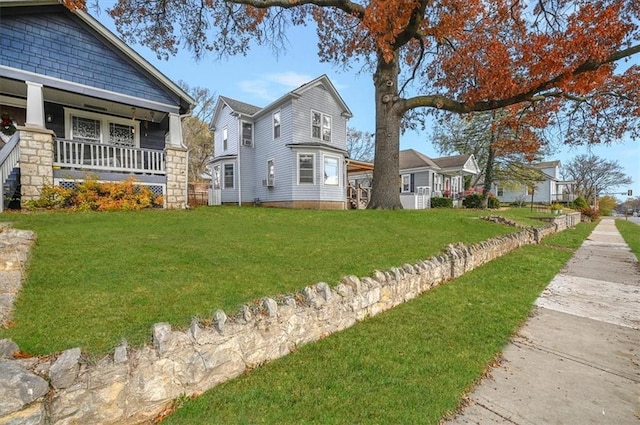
(132, 386)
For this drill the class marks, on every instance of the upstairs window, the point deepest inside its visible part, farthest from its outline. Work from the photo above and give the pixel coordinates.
(225, 138)
(247, 134)
(276, 125)
(321, 126)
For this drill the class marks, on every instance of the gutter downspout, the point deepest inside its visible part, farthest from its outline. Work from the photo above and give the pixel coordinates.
(239, 141)
(186, 193)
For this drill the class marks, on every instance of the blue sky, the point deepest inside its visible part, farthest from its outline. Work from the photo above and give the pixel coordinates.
(264, 75)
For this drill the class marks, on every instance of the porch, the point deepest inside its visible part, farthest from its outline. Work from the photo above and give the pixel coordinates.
(33, 158)
(92, 156)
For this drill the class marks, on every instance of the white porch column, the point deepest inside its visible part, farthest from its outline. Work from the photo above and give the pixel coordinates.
(175, 131)
(35, 105)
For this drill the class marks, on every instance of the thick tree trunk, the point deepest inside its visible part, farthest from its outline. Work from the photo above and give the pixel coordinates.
(385, 191)
(488, 177)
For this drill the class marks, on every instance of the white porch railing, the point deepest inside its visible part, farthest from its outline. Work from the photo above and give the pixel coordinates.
(9, 159)
(101, 156)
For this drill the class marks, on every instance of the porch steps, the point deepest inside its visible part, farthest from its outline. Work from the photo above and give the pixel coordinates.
(11, 189)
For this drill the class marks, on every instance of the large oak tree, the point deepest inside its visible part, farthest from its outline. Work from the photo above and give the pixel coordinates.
(557, 57)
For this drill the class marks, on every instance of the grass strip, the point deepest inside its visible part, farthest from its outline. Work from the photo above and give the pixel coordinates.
(409, 365)
(97, 278)
(631, 234)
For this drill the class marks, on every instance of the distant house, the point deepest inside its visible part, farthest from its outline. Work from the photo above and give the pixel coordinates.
(84, 103)
(550, 190)
(422, 177)
(288, 154)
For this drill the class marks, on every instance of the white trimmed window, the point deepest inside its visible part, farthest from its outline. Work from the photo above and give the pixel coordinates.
(270, 173)
(229, 178)
(406, 183)
(321, 126)
(276, 124)
(331, 170)
(216, 177)
(98, 128)
(306, 170)
(225, 139)
(247, 134)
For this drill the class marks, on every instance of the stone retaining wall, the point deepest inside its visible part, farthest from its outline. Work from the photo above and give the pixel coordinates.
(133, 386)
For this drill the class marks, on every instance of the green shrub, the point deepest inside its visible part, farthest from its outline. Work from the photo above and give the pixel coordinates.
(579, 203)
(475, 201)
(472, 201)
(493, 203)
(438, 202)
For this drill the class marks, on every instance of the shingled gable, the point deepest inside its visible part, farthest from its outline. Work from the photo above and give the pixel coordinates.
(114, 71)
(412, 159)
(255, 111)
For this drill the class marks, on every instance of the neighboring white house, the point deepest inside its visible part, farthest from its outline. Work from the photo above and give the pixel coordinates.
(289, 154)
(548, 191)
(422, 178)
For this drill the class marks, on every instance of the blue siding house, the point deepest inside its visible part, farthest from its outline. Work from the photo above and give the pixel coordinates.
(289, 154)
(84, 103)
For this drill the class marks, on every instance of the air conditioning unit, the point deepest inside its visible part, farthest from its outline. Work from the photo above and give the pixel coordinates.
(247, 142)
(267, 183)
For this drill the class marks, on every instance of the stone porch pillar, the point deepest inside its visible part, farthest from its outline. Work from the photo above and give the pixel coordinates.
(36, 161)
(176, 162)
(177, 158)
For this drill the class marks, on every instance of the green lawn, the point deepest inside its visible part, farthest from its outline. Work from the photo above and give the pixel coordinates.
(409, 365)
(96, 278)
(631, 234)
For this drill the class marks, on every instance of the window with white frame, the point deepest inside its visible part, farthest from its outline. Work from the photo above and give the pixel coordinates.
(228, 176)
(247, 134)
(306, 168)
(98, 128)
(321, 126)
(225, 139)
(276, 124)
(270, 172)
(406, 183)
(500, 191)
(216, 177)
(331, 170)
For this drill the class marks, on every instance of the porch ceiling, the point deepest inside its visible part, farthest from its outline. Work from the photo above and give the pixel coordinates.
(79, 101)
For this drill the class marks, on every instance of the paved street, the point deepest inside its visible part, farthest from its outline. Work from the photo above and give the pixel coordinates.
(577, 360)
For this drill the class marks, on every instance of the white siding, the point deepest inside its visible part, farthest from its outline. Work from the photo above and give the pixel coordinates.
(267, 148)
(230, 122)
(295, 135)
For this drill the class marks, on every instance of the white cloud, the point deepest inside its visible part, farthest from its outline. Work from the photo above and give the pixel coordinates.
(289, 80)
(257, 89)
(272, 86)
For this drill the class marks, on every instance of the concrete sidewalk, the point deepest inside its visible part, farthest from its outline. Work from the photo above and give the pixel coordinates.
(577, 359)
